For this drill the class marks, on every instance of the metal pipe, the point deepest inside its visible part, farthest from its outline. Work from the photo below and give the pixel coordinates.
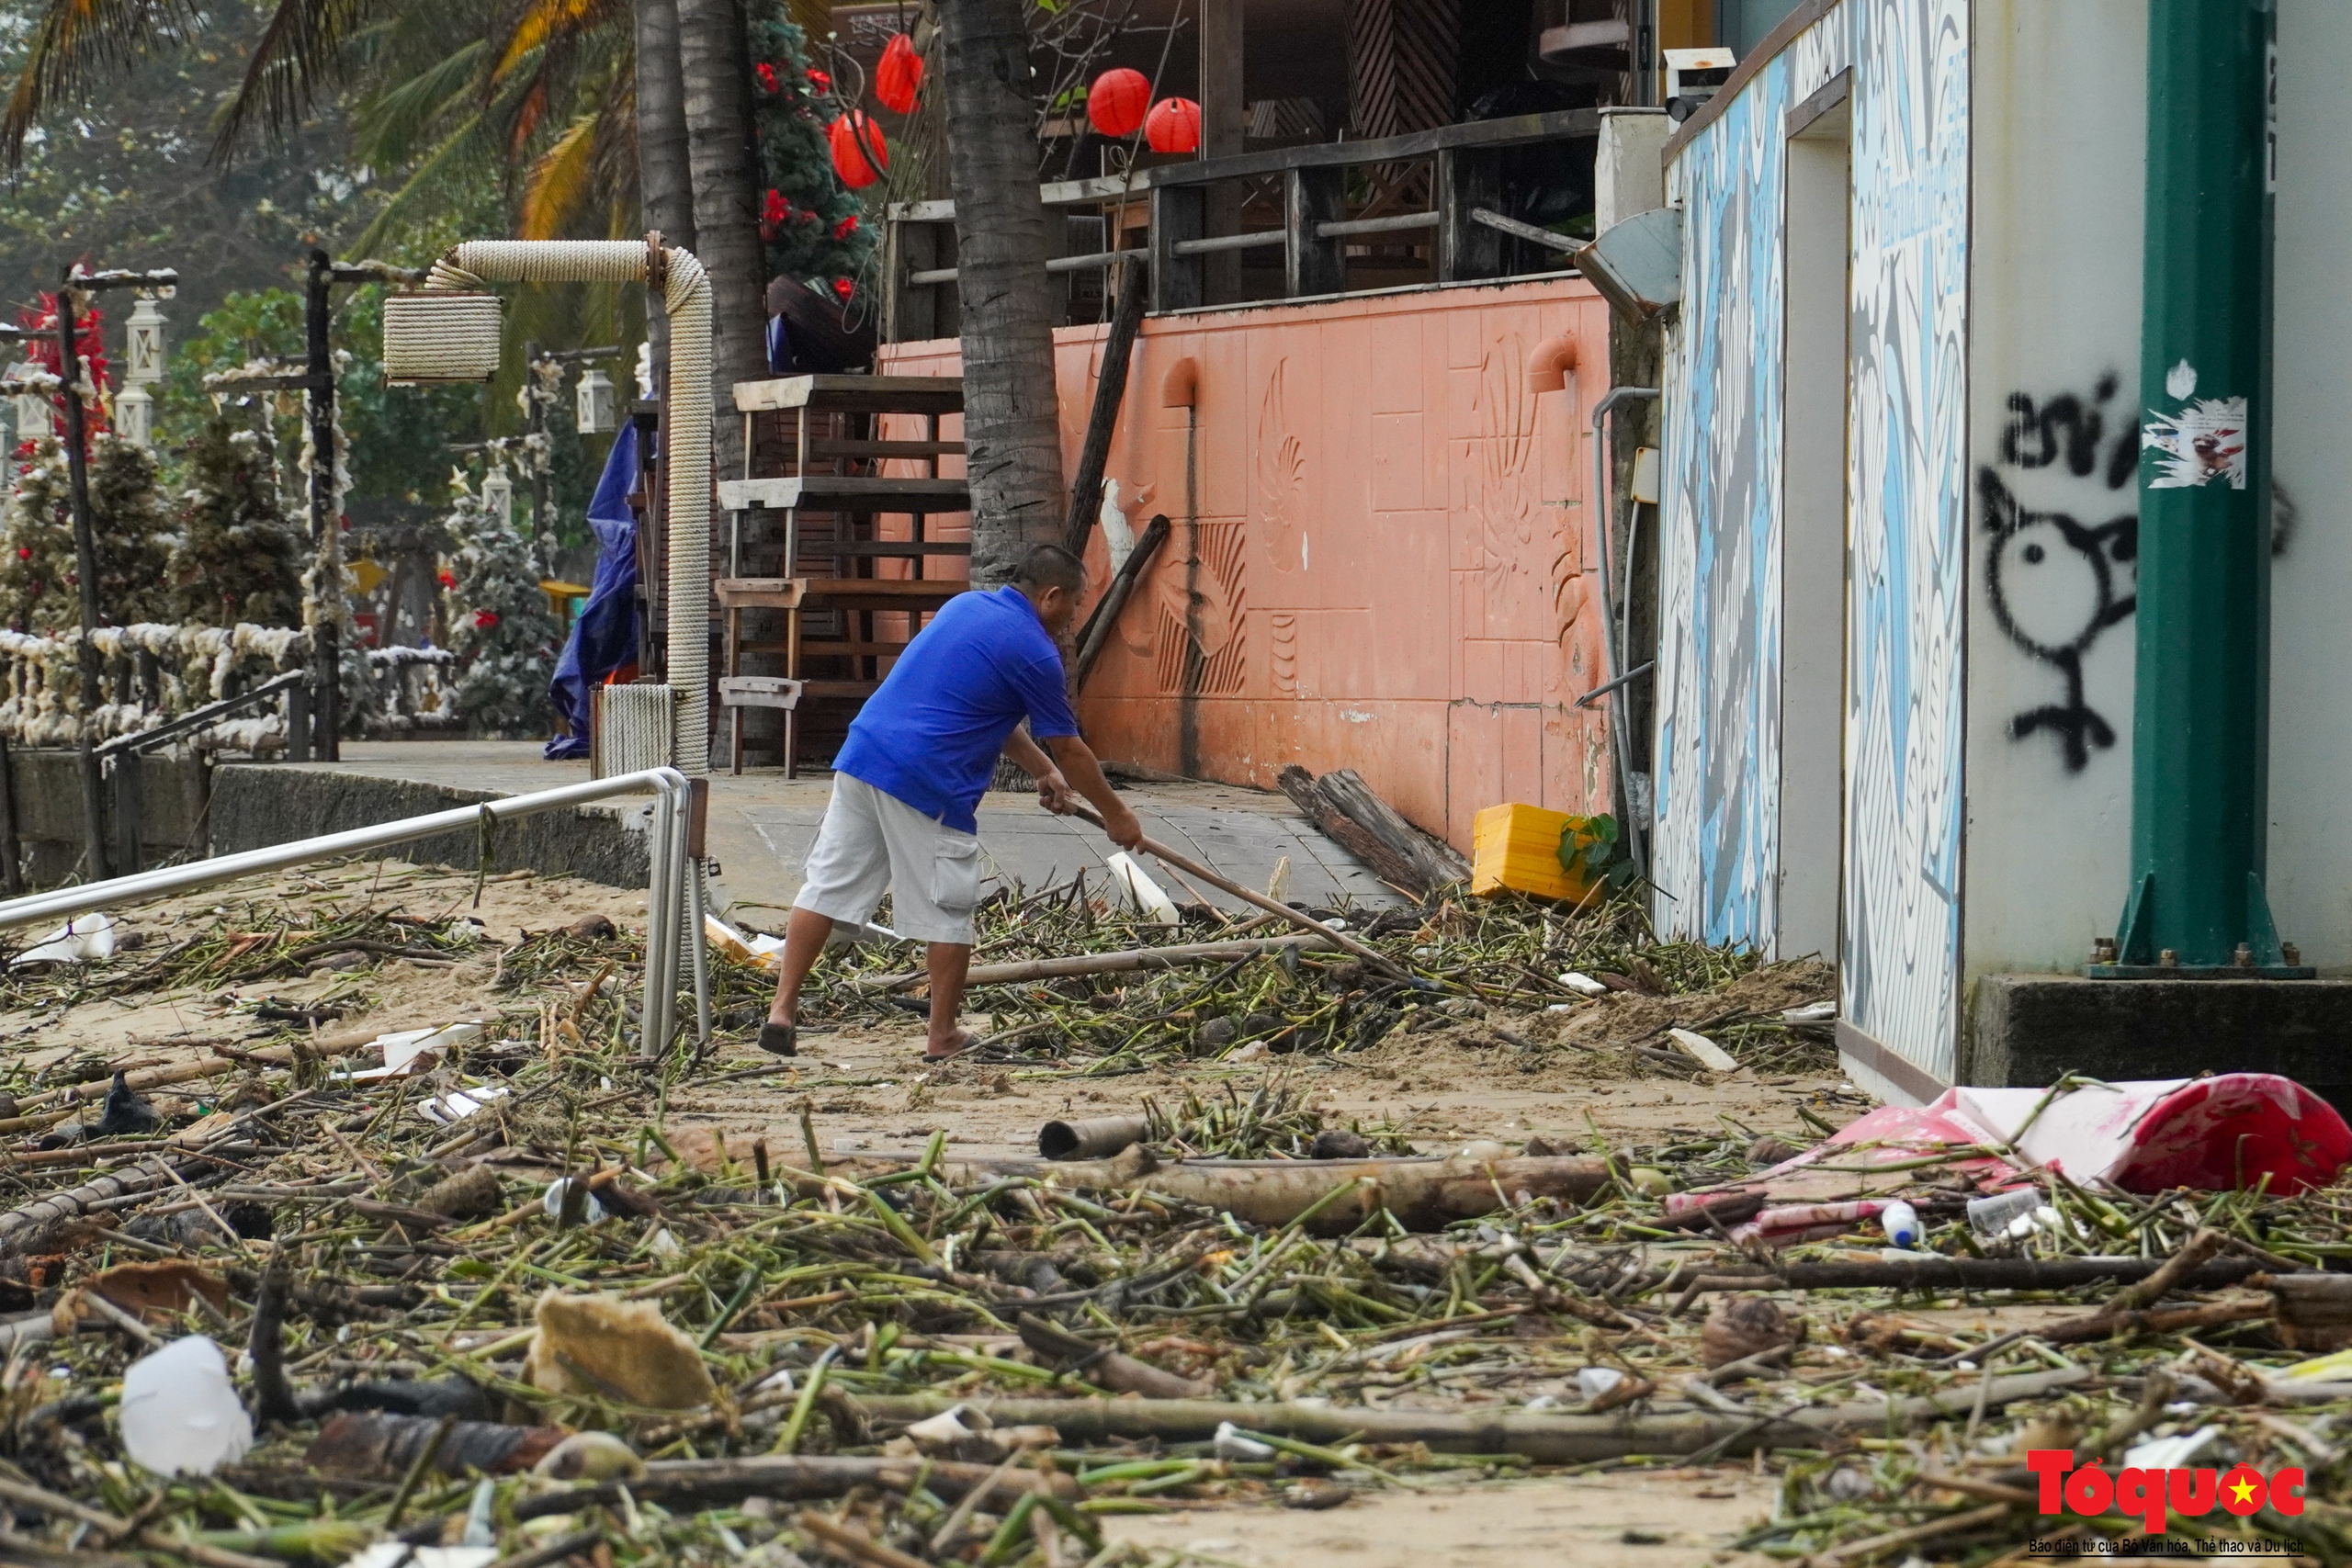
(1094, 261)
(1527, 231)
(1627, 679)
(666, 847)
(1229, 242)
(1340, 227)
(1636, 837)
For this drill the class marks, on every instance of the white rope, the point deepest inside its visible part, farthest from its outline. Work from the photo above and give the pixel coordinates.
(686, 296)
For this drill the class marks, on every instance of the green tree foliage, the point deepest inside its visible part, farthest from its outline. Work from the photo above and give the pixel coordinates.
(40, 578)
(237, 556)
(399, 437)
(122, 179)
(504, 635)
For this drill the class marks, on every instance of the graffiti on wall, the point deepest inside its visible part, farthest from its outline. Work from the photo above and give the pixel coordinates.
(2055, 583)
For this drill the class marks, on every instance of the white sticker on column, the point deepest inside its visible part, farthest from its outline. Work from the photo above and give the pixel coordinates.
(2204, 441)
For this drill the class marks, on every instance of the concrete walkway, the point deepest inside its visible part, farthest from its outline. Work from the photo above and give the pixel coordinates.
(761, 825)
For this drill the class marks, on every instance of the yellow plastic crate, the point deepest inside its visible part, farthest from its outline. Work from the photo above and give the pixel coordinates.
(1518, 847)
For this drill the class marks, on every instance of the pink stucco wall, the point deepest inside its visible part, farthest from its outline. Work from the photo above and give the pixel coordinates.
(1396, 568)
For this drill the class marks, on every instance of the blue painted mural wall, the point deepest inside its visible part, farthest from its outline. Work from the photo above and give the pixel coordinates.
(1720, 544)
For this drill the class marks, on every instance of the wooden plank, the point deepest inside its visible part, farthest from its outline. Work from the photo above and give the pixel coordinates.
(835, 493)
(759, 593)
(1467, 179)
(1177, 283)
(881, 592)
(1110, 392)
(897, 548)
(885, 448)
(854, 394)
(1311, 264)
(1518, 130)
(839, 690)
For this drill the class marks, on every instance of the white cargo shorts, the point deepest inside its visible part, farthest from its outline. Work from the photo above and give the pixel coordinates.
(872, 843)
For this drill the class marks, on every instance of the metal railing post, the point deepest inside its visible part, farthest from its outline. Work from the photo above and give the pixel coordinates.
(666, 898)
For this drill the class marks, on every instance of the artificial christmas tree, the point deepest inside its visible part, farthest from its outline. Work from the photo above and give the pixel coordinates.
(39, 583)
(816, 228)
(501, 628)
(237, 556)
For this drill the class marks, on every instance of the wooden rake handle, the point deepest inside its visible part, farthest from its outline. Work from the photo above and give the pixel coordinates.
(1192, 867)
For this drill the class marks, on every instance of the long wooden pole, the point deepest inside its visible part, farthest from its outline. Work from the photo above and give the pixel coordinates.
(1299, 917)
(85, 559)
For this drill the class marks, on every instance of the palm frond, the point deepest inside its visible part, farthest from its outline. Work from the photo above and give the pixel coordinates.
(302, 52)
(543, 23)
(387, 127)
(560, 182)
(419, 180)
(74, 44)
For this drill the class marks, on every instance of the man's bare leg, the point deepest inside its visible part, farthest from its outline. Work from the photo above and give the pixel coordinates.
(804, 938)
(948, 961)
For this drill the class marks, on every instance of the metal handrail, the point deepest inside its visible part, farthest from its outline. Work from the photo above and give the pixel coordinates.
(673, 885)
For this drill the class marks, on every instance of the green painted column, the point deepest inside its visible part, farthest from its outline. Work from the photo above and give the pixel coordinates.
(2200, 712)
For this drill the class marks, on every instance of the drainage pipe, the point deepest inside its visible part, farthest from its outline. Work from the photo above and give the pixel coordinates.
(1612, 658)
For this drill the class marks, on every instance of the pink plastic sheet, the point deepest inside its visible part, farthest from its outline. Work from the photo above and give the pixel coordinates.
(2213, 1134)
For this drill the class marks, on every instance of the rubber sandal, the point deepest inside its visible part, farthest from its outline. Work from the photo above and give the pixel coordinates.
(778, 1038)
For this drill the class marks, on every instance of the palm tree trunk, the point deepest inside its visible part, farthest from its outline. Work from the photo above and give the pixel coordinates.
(664, 177)
(715, 62)
(1012, 417)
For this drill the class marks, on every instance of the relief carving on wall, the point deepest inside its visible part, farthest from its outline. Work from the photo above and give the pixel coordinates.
(1199, 585)
(1281, 476)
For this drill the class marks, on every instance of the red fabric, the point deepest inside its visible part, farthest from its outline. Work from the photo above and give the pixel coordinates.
(2218, 1134)
(860, 155)
(1173, 126)
(898, 76)
(1117, 102)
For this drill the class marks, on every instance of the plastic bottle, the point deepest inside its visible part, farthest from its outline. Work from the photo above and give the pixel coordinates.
(1995, 1217)
(1901, 1223)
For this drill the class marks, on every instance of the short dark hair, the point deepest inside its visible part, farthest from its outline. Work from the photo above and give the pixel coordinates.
(1050, 565)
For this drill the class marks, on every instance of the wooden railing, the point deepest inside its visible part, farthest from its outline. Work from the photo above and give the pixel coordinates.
(1469, 238)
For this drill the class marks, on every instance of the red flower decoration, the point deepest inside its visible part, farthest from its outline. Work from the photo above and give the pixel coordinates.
(819, 80)
(773, 209)
(448, 578)
(845, 288)
(485, 619)
(766, 73)
(846, 227)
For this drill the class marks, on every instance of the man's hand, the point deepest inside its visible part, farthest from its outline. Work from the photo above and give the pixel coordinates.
(1121, 825)
(1054, 793)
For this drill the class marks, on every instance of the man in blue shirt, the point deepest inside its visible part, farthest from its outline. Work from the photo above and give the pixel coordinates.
(920, 755)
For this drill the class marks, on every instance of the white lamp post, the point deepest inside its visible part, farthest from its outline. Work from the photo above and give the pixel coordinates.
(134, 415)
(33, 414)
(593, 406)
(146, 357)
(498, 494)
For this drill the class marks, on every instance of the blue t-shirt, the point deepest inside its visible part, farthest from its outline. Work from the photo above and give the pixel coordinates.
(931, 735)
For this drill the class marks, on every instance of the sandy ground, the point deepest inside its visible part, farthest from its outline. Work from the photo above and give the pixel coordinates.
(870, 1090)
(1623, 1519)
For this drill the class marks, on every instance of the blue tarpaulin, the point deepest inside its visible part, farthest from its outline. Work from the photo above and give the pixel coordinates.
(604, 639)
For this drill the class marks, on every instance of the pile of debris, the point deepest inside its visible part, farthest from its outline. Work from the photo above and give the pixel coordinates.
(468, 1296)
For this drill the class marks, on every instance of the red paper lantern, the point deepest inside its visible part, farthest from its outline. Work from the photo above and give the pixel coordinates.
(1117, 102)
(860, 155)
(898, 76)
(1173, 126)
